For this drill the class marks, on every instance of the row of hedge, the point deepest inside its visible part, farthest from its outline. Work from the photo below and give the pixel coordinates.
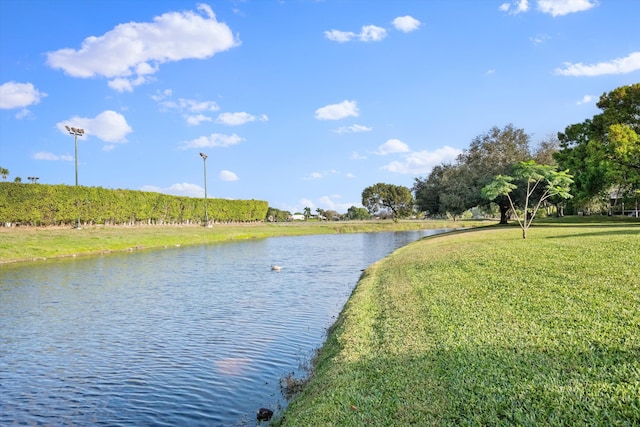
(46, 205)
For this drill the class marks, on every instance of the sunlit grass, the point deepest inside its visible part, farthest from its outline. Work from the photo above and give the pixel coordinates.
(24, 243)
(485, 328)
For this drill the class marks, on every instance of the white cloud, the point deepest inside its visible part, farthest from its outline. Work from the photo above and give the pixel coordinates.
(19, 95)
(564, 7)
(213, 140)
(130, 53)
(338, 111)
(352, 129)
(392, 146)
(339, 36)
(585, 100)
(406, 24)
(226, 175)
(551, 7)
(368, 33)
(197, 119)
(183, 104)
(181, 189)
(237, 119)
(515, 7)
(421, 162)
(624, 65)
(42, 155)
(490, 72)
(107, 126)
(371, 33)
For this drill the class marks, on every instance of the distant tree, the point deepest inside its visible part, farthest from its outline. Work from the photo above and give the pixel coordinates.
(355, 213)
(307, 213)
(277, 215)
(331, 214)
(541, 180)
(320, 213)
(543, 153)
(393, 198)
(17, 180)
(4, 172)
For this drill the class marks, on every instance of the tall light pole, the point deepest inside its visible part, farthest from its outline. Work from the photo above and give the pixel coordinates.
(76, 132)
(206, 215)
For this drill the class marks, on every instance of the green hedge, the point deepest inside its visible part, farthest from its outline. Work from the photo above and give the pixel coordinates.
(44, 205)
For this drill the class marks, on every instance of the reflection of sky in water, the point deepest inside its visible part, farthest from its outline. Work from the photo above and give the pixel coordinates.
(193, 335)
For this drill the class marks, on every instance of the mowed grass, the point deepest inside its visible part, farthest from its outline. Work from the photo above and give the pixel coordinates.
(483, 328)
(30, 243)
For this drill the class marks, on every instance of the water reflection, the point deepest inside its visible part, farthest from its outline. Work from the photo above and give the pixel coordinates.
(183, 336)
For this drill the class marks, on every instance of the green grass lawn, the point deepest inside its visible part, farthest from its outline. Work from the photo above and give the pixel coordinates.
(30, 243)
(483, 328)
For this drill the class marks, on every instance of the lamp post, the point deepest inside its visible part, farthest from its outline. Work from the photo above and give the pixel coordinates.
(206, 215)
(76, 132)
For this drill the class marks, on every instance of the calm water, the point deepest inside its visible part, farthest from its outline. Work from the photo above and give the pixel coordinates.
(184, 336)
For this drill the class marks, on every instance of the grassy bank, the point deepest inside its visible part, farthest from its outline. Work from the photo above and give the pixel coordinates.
(484, 328)
(23, 243)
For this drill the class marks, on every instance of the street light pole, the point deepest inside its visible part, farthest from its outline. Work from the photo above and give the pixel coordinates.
(206, 215)
(76, 132)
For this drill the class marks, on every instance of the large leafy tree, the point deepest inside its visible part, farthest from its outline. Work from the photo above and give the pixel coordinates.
(458, 187)
(604, 151)
(541, 183)
(392, 198)
(443, 192)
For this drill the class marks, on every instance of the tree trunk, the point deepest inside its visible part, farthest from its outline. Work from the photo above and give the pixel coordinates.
(503, 214)
(524, 232)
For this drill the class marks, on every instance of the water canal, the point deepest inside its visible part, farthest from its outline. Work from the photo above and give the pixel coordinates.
(184, 336)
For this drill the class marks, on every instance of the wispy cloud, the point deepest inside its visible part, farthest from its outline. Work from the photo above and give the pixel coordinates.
(551, 7)
(237, 119)
(368, 33)
(42, 155)
(624, 65)
(213, 140)
(353, 129)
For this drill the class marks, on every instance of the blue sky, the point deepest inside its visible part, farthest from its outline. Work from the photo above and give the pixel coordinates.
(297, 102)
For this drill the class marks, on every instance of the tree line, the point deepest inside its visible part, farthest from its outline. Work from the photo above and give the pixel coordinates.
(51, 205)
(584, 168)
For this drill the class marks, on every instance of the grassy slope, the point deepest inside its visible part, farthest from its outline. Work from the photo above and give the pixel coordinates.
(19, 244)
(484, 328)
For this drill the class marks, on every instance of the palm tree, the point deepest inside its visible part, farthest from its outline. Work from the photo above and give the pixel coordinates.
(4, 172)
(307, 213)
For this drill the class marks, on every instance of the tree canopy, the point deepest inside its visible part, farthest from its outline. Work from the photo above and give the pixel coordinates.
(393, 198)
(541, 181)
(604, 152)
(452, 189)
